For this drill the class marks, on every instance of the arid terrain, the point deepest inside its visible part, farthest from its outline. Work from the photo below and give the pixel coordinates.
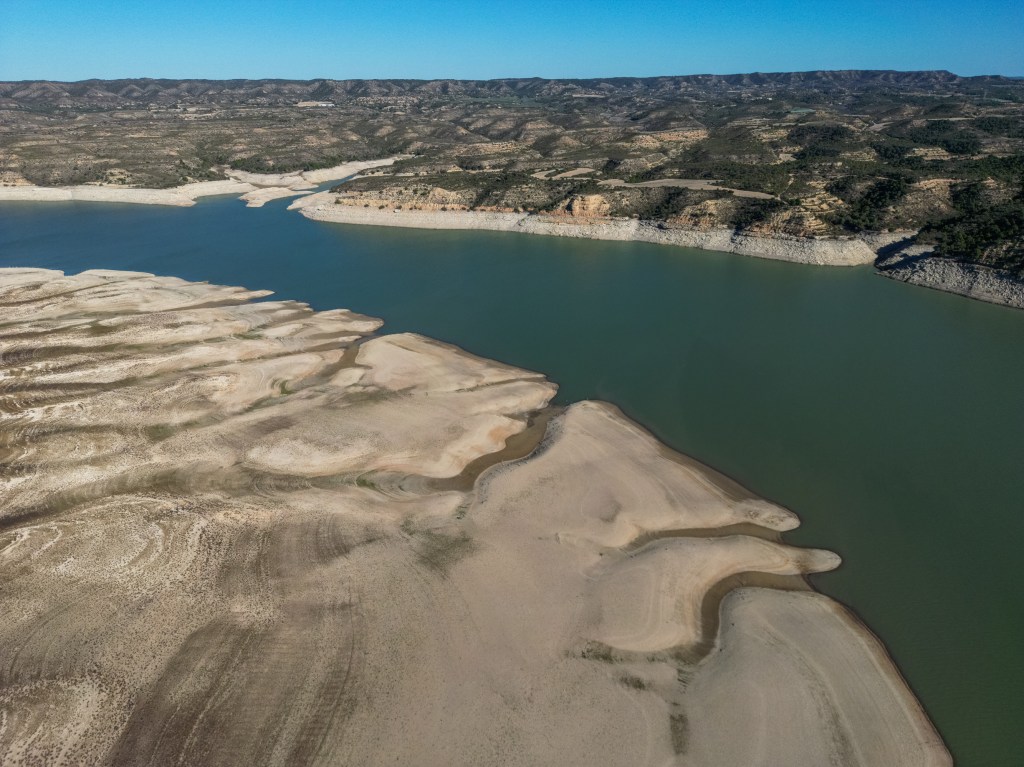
(936, 158)
(238, 532)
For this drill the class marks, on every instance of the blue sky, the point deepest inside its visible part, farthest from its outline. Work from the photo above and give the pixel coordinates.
(78, 39)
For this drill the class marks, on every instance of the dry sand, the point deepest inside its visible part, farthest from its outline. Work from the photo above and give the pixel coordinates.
(255, 188)
(572, 173)
(181, 196)
(237, 533)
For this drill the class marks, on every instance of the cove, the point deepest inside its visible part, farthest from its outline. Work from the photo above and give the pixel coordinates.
(888, 417)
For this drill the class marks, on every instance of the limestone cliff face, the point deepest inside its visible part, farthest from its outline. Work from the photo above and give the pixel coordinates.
(971, 280)
(587, 206)
(708, 215)
(434, 199)
(12, 178)
(824, 251)
(705, 215)
(793, 223)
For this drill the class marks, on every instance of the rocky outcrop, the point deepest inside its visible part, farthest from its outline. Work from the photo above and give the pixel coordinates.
(587, 206)
(971, 280)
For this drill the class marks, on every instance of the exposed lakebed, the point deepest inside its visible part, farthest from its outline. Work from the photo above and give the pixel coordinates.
(886, 416)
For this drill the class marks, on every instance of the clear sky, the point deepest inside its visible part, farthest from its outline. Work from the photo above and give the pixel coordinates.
(79, 39)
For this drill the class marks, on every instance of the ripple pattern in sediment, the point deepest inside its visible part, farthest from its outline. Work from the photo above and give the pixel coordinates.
(245, 533)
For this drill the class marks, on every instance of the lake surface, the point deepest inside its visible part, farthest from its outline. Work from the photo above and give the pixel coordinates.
(889, 417)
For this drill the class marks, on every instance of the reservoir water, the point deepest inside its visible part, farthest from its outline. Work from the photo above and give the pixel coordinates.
(889, 417)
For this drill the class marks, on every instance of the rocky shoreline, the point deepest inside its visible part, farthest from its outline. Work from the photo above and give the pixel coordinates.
(893, 254)
(971, 280)
(820, 251)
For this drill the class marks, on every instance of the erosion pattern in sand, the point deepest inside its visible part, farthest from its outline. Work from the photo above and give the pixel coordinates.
(237, 533)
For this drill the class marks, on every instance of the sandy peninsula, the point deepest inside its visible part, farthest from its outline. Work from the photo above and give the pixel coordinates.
(255, 188)
(237, 532)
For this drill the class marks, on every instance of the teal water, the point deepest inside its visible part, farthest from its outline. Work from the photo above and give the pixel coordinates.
(888, 417)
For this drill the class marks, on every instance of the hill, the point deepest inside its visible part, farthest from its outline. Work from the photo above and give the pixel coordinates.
(825, 153)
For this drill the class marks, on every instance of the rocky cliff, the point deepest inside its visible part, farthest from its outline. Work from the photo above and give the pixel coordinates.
(824, 251)
(971, 280)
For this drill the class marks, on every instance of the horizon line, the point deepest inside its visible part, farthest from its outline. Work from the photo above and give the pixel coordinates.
(509, 77)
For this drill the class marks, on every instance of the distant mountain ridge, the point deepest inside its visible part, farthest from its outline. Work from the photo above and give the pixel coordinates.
(143, 91)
